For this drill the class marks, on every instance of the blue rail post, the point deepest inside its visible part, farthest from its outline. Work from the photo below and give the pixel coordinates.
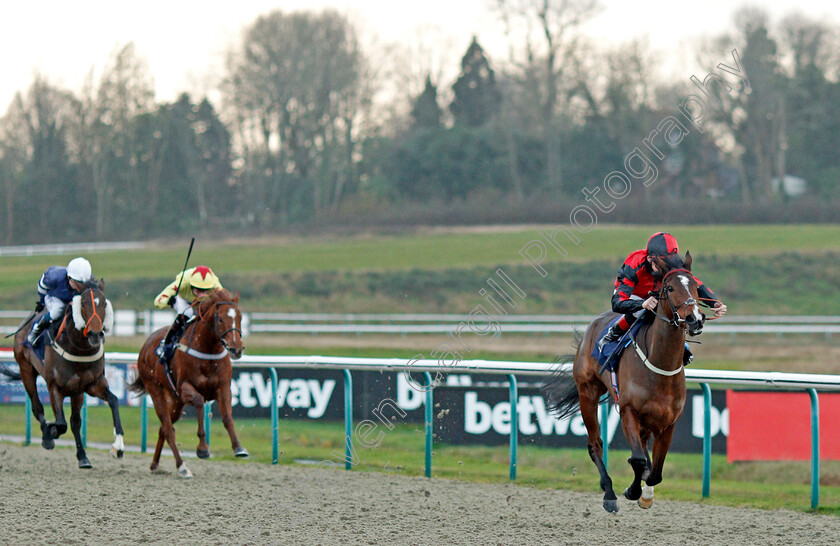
(605, 433)
(514, 424)
(815, 449)
(84, 420)
(348, 418)
(28, 408)
(144, 422)
(707, 438)
(429, 420)
(208, 411)
(275, 453)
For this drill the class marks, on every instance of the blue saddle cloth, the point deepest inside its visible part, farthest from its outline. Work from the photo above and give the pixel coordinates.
(40, 343)
(612, 351)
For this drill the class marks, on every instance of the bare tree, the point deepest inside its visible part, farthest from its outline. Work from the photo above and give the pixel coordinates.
(549, 31)
(295, 87)
(125, 91)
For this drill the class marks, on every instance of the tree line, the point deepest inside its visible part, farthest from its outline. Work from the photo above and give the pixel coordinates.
(309, 124)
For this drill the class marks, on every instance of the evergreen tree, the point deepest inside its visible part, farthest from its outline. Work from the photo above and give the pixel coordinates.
(426, 113)
(477, 96)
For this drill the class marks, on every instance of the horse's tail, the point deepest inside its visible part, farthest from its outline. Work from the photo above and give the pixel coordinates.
(560, 391)
(561, 394)
(14, 376)
(137, 386)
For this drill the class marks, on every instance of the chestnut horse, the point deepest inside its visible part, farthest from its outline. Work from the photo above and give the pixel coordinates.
(74, 364)
(201, 370)
(650, 380)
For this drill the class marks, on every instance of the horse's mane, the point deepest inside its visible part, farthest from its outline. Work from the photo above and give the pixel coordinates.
(92, 283)
(673, 261)
(217, 295)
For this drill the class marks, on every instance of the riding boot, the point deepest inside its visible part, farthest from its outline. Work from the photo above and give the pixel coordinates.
(166, 350)
(38, 329)
(612, 335)
(688, 356)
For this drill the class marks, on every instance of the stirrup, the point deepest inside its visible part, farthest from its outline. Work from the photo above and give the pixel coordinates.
(610, 337)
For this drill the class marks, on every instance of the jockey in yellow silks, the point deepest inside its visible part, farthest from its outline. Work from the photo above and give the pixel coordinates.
(180, 294)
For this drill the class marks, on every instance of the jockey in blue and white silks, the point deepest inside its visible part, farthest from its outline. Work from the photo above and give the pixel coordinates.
(56, 288)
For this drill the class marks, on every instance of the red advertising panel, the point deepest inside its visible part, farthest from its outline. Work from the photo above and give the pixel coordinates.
(776, 426)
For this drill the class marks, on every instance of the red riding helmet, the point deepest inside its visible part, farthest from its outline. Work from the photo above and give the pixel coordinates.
(662, 244)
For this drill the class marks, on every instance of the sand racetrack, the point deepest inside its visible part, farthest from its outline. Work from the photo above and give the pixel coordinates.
(47, 500)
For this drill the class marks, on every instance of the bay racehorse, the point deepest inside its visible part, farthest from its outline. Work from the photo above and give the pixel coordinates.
(200, 369)
(74, 364)
(650, 381)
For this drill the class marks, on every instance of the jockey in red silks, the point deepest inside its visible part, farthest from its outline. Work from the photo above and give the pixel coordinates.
(180, 294)
(638, 276)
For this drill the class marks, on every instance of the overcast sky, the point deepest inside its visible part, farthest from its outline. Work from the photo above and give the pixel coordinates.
(184, 40)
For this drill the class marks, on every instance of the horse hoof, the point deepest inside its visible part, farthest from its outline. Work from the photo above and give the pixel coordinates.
(241, 452)
(48, 444)
(611, 506)
(632, 495)
(202, 453)
(184, 472)
(646, 500)
(85, 463)
(117, 453)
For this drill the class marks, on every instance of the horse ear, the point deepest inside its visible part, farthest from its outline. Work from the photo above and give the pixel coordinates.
(102, 284)
(688, 260)
(661, 264)
(236, 297)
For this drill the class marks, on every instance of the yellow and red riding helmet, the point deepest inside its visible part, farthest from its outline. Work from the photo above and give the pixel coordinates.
(203, 278)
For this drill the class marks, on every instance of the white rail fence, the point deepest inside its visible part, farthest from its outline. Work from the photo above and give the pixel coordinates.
(131, 323)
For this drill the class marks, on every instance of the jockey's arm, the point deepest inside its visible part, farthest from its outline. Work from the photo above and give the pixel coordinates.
(622, 303)
(162, 299)
(708, 297)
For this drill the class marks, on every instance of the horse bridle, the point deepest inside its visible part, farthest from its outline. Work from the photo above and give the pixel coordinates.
(216, 322)
(86, 330)
(676, 320)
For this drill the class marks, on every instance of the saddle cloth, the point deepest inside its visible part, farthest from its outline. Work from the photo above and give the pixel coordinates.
(612, 351)
(609, 358)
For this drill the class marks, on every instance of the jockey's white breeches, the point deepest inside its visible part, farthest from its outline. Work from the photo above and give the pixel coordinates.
(54, 306)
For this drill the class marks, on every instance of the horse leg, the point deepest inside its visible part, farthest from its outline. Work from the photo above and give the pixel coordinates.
(645, 437)
(76, 402)
(191, 396)
(167, 431)
(589, 396)
(59, 426)
(638, 455)
(223, 399)
(29, 377)
(661, 444)
(100, 390)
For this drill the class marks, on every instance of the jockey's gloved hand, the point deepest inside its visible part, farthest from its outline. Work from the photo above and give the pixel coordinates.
(39, 306)
(171, 301)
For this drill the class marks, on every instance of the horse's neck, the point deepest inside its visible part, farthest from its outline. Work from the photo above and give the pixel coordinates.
(665, 343)
(72, 336)
(202, 337)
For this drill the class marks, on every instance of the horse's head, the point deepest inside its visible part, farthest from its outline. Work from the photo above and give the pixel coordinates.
(678, 296)
(226, 319)
(92, 312)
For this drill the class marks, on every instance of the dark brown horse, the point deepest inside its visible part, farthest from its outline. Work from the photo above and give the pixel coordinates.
(74, 364)
(650, 378)
(201, 371)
